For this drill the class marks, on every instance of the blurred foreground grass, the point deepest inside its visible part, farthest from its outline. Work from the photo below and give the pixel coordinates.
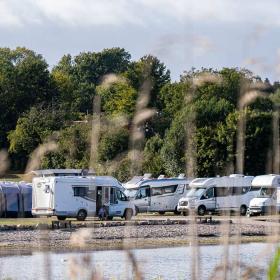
(15, 177)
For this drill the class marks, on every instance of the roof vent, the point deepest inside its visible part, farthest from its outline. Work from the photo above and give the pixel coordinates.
(181, 176)
(161, 176)
(236, 175)
(147, 175)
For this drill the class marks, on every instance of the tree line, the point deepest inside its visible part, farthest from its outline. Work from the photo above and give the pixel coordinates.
(191, 124)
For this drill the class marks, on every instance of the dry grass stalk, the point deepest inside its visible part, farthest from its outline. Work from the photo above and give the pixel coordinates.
(245, 99)
(95, 132)
(4, 162)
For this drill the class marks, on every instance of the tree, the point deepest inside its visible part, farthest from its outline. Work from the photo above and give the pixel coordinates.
(113, 143)
(33, 129)
(149, 68)
(73, 148)
(24, 82)
(153, 162)
(118, 98)
(77, 77)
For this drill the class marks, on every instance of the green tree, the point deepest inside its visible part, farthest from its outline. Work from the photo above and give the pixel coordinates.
(118, 98)
(33, 129)
(24, 82)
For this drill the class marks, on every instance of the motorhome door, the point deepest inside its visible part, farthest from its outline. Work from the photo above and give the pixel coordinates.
(143, 199)
(209, 199)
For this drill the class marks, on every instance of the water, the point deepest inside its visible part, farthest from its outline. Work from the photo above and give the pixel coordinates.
(160, 263)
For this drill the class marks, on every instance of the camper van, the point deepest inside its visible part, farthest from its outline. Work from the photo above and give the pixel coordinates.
(64, 194)
(232, 193)
(156, 195)
(268, 198)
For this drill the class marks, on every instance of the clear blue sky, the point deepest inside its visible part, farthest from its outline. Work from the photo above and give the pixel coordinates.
(182, 33)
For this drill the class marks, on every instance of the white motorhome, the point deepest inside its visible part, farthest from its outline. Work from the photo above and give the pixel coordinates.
(268, 198)
(232, 193)
(156, 195)
(67, 193)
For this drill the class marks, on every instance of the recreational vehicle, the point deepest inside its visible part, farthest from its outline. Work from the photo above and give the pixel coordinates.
(232, 193)
(156, 195)
(268, 198)
(55, 193)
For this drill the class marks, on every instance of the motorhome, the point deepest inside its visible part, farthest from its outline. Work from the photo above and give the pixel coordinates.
(68, 193)
(268, 198)
(156, 195)
(231, 193)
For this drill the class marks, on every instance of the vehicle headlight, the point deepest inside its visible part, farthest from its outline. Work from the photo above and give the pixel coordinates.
(183, 203)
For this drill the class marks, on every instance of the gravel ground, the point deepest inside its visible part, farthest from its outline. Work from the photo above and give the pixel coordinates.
(113, 236)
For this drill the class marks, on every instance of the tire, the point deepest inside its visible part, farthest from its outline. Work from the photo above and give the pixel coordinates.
(110, 218)
(61, 218)
(128, 214)
(176, 212)
(201, 210)
(161, 212)
(243, 210)
(82, 214)
(185, 213)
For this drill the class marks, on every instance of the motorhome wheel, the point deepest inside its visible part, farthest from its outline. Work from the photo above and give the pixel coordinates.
(82, 214)
(161, 212)
(201, 210)
(243, 210)
(176, 212)
(61, 218)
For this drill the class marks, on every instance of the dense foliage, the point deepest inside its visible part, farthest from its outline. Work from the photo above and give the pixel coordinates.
(137, 102)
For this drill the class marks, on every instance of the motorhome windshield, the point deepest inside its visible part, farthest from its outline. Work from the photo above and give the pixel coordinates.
(266, 192)
(196, 192)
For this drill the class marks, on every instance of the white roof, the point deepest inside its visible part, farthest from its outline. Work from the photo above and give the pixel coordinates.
(62, 172)
(237, 180)
(270, 180)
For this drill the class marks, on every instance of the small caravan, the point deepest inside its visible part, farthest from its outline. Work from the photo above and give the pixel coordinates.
(67, 193)
(232, 193)
(268, 198)
(156, 195)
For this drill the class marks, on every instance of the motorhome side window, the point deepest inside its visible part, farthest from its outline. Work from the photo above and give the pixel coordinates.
(222, 191)
(170, 189)
(80, 191)
(239, 190)
(208, 194)
(181, 188)
(142, 193)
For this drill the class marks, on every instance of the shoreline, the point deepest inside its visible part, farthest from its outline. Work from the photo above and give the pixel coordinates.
(139, 244)
(137, 234)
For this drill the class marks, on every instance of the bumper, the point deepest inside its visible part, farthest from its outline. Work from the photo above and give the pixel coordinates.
(42, 212)
(262, 210)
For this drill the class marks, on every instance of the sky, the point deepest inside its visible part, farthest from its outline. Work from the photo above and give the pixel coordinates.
(181, 33)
